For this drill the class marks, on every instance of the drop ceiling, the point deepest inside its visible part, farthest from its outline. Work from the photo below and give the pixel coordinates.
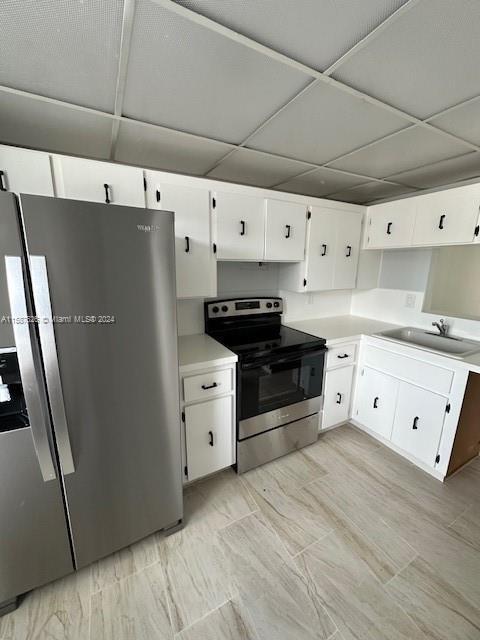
(354, 101)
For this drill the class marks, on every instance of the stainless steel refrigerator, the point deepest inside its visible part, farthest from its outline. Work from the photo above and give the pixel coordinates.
(88, 307)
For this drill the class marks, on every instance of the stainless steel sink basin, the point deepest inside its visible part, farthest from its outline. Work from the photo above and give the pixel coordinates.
(447, 345)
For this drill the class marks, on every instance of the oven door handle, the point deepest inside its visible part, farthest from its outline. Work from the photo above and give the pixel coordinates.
(271, 360)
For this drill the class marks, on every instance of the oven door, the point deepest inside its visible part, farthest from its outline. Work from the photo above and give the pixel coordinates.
(274, 382)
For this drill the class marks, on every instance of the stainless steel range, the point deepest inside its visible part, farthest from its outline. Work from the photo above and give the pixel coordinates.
(279, 377)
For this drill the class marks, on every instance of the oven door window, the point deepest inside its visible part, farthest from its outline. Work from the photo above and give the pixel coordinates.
(279, 383)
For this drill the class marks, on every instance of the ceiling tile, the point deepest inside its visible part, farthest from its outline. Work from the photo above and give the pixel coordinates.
(187, 77)
(42, 125)
(323, 123)
(425, 61)
(158, 148)
(315, 33)
(371, 191)
(260, 169)
(320, 183)
(464, 121)
(408, 149)
(442, 173)
(65, 49)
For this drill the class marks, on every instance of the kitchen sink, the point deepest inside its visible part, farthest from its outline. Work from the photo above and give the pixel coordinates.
(447, 345)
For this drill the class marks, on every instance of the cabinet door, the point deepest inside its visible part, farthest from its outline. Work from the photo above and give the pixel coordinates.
(419, 422)
(24, 171)
(321, 250)
(285, 229)
(95, 181)
(196, 267)
(209, 436)
(240, 225)
(337, 396)
(376, 401)
(391, 224)
(447, 217)
(349, 229)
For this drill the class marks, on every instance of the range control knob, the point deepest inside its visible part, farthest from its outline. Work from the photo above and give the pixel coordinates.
(269, 305)
(215, 309)
(276, 304)
(225, 308)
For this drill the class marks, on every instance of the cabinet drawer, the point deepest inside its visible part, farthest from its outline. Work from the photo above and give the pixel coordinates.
(422, 373)
(206, 385)
(209, 436)
(341, 355)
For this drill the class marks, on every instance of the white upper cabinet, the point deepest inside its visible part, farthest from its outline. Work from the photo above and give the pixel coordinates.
(349, 229)
(391, 224)
(196, 267)
(447, 217)
(96, 181)
(321, 250)
(23, 171)
(285, 229)
(240, 226)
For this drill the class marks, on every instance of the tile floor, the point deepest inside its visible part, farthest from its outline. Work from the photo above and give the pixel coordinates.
(341, 540)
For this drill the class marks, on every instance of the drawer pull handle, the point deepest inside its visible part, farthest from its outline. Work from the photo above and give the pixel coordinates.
(242, 227)
(442, 220)
(210, 438)
(324, 250)
(345, 355)
(349, 251)
(187, 244)
(288, 228)
(3, 186)
(375, 402)
(389, 228)
(339, 398)
(210, 386)
(415, 422)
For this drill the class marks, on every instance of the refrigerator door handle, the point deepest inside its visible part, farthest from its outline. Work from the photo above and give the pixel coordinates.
(21, 329)
(43, 310)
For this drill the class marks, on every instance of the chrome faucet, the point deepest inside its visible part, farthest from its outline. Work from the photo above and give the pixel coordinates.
(441, 326)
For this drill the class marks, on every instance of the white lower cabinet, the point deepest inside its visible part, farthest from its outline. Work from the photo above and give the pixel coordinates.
(337, 396)
(376, 401)
(208, 436)
(418, 422)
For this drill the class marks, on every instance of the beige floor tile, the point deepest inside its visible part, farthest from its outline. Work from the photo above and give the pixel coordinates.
(132, 609)
(436, 607)
(58, 611)
(352, 440)
(231, 621)
(467, 526)
(354, 598)
(274, 592)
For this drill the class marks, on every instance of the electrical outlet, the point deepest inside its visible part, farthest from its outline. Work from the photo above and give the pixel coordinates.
(410, 300)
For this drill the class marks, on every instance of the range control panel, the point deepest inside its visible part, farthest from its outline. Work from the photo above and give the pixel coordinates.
(243, 307)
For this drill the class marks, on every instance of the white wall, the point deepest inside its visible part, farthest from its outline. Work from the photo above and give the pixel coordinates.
(301, 306)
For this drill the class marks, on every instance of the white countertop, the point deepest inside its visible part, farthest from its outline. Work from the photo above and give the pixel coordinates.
(339, 328)
(201, 352)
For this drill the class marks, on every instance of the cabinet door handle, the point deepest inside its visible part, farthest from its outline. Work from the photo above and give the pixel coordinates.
(375, 402)
(210, 438)
(339, 398)
(209, 386)
(187, 244)
(442, 220)
(415, 422)
(157, 195)
(324, 250)
(349, 251)
(342, 357)
(107, 193)
(288, 228)
(3, 186)
(389, 228)
(242, 227)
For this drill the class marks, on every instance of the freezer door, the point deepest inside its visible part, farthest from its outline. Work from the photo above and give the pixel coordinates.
(106, 275)
(34, 543)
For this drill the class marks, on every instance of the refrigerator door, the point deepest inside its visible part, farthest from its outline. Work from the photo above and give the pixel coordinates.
(34, 542)
(106, 273)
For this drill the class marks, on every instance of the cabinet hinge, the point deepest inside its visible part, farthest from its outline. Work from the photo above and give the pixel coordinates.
(477, 230)
(214, 246)
(185, 471)
(183, 416)
(448, 407)
(214, 203)
(144, 184)
(304, 282)
(158, 195)
(309, 215)
(437, 459)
